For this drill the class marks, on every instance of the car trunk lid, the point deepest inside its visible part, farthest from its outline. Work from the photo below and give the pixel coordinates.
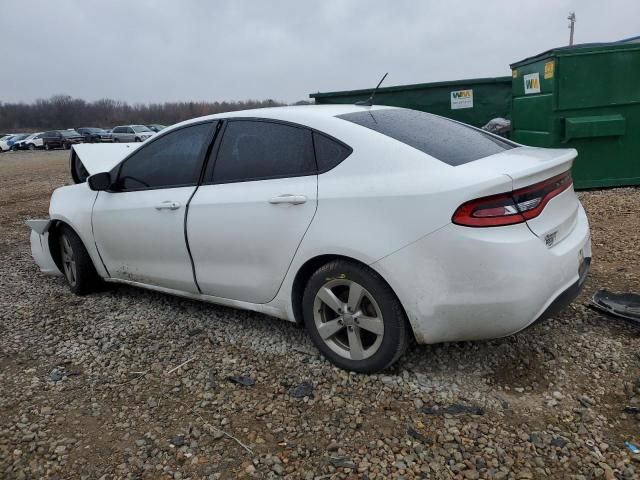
(535, 172)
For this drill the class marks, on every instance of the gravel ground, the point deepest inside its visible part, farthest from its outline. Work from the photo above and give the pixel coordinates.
(90, 389)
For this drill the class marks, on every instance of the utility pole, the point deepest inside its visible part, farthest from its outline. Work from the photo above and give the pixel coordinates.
(572, 20)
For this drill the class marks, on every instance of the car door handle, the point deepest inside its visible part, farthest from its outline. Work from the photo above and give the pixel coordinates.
(168, 205)
(292, 199)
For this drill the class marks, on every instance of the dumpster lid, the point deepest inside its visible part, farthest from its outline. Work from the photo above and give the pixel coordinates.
(413, 86)
(581, 47)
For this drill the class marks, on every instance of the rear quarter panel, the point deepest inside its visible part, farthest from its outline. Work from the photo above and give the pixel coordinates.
(383, 197)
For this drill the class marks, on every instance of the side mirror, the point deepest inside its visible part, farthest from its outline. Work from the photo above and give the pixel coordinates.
(99, 181)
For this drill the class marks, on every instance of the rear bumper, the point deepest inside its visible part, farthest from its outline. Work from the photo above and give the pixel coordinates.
(568, 296)
(468, 284)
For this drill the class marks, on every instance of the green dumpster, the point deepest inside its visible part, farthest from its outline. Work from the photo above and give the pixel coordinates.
(473, 101)
(586, 97)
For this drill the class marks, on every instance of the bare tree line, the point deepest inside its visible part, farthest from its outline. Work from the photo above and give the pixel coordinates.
(64, 111)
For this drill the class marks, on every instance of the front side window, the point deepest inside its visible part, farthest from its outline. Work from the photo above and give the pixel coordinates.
(450, 142)
(259, 150)
(173, 160)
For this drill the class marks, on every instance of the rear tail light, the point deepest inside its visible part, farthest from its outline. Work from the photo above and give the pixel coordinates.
(510, 208)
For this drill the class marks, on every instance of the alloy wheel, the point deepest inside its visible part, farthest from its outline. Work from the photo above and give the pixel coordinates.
(348, 319)
(68, 261)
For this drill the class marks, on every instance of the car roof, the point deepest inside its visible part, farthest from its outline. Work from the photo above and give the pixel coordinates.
(302, 114)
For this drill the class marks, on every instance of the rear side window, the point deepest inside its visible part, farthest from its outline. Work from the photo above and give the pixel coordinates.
(448, 141)
(329, 153)
(173, 160)
(259, 150)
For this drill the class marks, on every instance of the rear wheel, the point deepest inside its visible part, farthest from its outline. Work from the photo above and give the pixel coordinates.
(116, 140)
(32, 146)
(47, 146)
(138, 139)
(76, 263)
(354, 318)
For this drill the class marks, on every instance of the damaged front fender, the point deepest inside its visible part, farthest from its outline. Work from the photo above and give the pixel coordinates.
(40, 246)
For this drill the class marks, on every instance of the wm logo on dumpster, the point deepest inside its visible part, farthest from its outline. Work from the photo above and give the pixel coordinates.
(461, 99)
(531, 83)
(461, 94)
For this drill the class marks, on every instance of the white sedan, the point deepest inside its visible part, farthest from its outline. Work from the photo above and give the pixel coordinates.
(370, 225)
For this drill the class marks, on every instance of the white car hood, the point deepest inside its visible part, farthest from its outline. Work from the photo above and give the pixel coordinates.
(98, 157)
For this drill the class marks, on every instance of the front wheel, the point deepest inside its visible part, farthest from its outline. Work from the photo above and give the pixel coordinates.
(76, 263)
(354, 318)
(32, 147)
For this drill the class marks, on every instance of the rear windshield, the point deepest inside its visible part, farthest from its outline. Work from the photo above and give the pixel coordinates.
(450, 142)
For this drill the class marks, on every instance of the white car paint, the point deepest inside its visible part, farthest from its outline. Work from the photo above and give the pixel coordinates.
(4, 142)
(240, 261)
(34, 139)
(387, 205)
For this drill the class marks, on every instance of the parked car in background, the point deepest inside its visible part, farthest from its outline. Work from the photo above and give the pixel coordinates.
(32, 142)
(372, 226)
(156, 127)
(61, 139)
(131, 133)
(3, 141)
(93, 135)
(9, 141)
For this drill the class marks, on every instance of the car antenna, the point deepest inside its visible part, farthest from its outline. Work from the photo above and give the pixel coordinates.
(369, 101)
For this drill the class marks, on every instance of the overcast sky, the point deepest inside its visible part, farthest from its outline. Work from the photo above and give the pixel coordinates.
(161, 50)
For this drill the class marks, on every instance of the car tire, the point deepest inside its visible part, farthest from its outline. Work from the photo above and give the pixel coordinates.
(137, 139)
(340, 297)
(116, 140)
(47, 147)
(76, 264)
(31, 146)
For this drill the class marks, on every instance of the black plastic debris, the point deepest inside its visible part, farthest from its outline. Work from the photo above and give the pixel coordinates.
(304, 389)
(623, 305)
(343, 462)
(57, 374)
(559, 442)
(241, 380)
(177, 441)
(455, 409)
(412, 432)
(631, 410)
